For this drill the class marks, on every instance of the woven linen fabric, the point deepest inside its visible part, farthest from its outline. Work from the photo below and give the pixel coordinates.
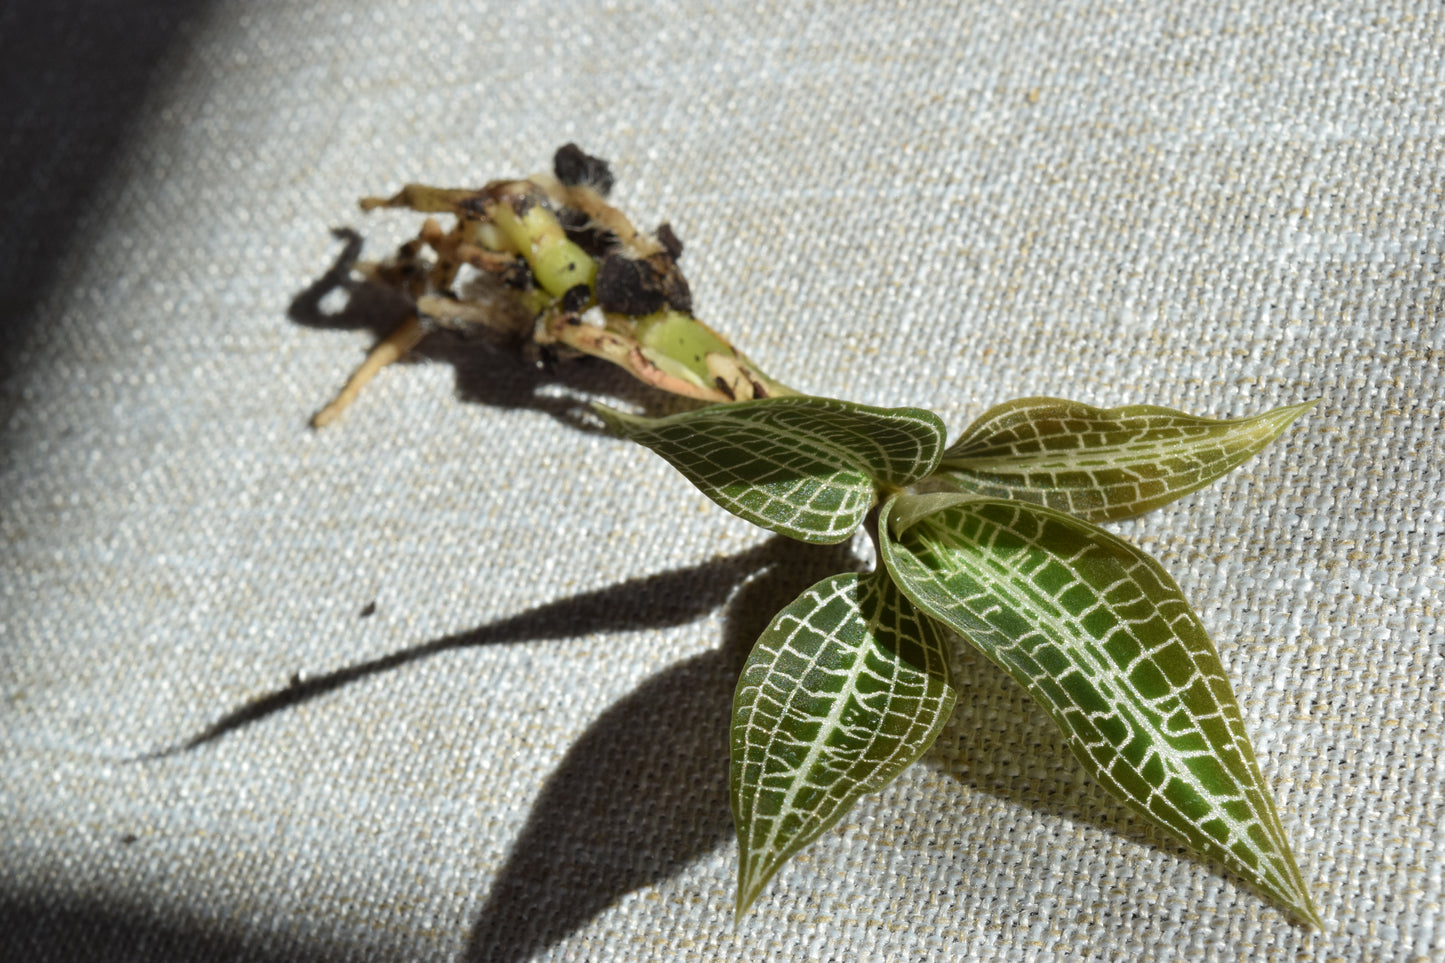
(463, 663)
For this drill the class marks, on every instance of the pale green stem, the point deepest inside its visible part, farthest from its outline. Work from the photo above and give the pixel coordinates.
(558, 264)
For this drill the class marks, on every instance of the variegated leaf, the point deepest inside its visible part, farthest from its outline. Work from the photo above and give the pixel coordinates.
(846, 688)
(1103, 639)
(1102, 463)
(805, 467)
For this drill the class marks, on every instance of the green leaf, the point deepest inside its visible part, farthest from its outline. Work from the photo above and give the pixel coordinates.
(805, 467)
(1102, 638)
(1103, 463)
(846, 688)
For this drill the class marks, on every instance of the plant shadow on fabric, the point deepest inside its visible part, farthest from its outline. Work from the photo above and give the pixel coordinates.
(644, 791)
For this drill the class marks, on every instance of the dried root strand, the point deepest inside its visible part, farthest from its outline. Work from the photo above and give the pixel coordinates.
(393, 348)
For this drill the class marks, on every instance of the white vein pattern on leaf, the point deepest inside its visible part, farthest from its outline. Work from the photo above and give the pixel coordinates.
(808, 475)
(897, 445)
(790, 485)
(984, 587)
(811, 762)
(1101, 463)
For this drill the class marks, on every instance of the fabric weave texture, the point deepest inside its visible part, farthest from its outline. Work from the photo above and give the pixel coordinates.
(458, 668)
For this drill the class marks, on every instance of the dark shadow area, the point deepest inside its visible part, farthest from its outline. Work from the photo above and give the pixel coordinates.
(73, 80)
(490, 369)
(655, 601)
(78, 931)
(644, 792)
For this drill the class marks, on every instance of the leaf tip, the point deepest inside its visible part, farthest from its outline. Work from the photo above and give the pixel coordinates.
(1287, 414)
(1299, 903)
(753, 877)
(742, 903)
(1309, 914)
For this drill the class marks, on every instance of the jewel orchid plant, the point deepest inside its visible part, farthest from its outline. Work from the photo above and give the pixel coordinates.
(993, 538)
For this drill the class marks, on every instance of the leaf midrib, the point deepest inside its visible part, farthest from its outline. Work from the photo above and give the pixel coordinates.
(835, 712)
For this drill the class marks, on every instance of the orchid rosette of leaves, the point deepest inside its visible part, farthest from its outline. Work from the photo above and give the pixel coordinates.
(992, 538)
(850, 683)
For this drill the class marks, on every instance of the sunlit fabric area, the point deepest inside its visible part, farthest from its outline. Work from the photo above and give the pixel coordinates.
(450, 678)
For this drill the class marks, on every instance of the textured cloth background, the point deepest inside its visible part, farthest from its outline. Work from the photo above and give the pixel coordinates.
(522, 752)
